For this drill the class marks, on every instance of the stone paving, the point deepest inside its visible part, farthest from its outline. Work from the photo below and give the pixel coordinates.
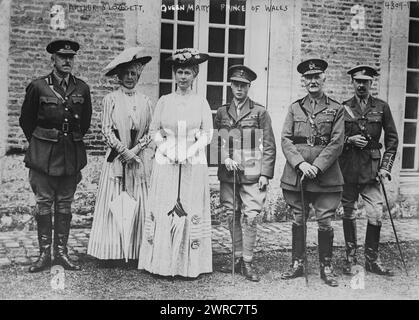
(21, 247)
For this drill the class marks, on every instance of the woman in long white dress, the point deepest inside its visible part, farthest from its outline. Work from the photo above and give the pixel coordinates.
(126, 118)
(178, 242)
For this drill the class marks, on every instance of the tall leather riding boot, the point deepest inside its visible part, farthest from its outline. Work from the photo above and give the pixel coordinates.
(372, 260)
(297, 266)
(61, 233)
(325, 238)
(349, 231)
(44, 223)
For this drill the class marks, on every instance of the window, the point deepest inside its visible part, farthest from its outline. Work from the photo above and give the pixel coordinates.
(410, 146)
(218, 28)
(177, 31)
(226, 47)
(221, 33)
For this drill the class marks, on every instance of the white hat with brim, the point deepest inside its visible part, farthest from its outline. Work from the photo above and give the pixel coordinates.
(125, 58)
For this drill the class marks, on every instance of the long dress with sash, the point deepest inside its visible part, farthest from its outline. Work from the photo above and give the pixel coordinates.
(124, 112)
(179, 245)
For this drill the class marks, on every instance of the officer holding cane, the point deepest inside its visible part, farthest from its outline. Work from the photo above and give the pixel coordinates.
(248, 151)
(365, 118)
(312, 139)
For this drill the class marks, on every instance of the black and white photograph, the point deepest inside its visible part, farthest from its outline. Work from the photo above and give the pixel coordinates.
(209, 154)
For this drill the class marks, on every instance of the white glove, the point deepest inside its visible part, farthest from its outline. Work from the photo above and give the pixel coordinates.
(128, 155)
(192, 150)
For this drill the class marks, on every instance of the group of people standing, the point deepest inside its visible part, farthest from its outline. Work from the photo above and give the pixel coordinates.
(156, 167)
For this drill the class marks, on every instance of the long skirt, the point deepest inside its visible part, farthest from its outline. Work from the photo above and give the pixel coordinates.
(174, 245)
(106, 241)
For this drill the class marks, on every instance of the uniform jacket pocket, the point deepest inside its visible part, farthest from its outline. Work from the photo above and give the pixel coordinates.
(48, 100)
(77, 99)
(38, 154)
(325, 123)
(300, 126)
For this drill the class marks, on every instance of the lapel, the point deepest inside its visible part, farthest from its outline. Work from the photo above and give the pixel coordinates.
(369, 105)
(356, 108)
(71, 85)
(57, 86)
(321, 105)
(306, 104)
(245, 109)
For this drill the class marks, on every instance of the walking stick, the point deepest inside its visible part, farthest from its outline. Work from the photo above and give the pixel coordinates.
(233, 251)
(392, 224)
(304, 229)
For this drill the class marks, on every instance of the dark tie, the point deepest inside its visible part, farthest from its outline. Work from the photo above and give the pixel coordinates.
(238, 109)
(363, 104)
(313, 105)
(64, 85)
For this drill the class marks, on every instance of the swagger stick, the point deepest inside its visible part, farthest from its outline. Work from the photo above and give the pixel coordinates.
(392, 224)
(233, 251)
(304, 228)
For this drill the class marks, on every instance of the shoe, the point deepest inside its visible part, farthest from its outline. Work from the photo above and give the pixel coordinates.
(327, 273)
(237, 266)
(296, 270)
(248, 272)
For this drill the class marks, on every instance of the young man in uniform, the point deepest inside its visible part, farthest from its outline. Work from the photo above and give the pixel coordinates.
(248, 148)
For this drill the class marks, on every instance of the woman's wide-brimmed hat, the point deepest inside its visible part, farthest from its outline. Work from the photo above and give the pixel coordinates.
(187, 57)
(125, 58)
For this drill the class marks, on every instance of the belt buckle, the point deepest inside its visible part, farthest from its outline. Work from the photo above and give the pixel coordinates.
(310, 141)
(65, 128)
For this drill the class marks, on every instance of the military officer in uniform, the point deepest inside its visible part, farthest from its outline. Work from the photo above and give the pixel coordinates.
(248, 147)
(56, 114)
(312, 139)
(365, 118)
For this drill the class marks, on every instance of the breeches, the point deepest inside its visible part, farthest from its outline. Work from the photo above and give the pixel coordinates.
(324, 204)
(370, 193)
(51, 190)
(249, 204)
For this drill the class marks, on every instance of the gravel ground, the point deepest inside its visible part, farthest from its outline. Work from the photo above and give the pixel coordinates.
(125, 282)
